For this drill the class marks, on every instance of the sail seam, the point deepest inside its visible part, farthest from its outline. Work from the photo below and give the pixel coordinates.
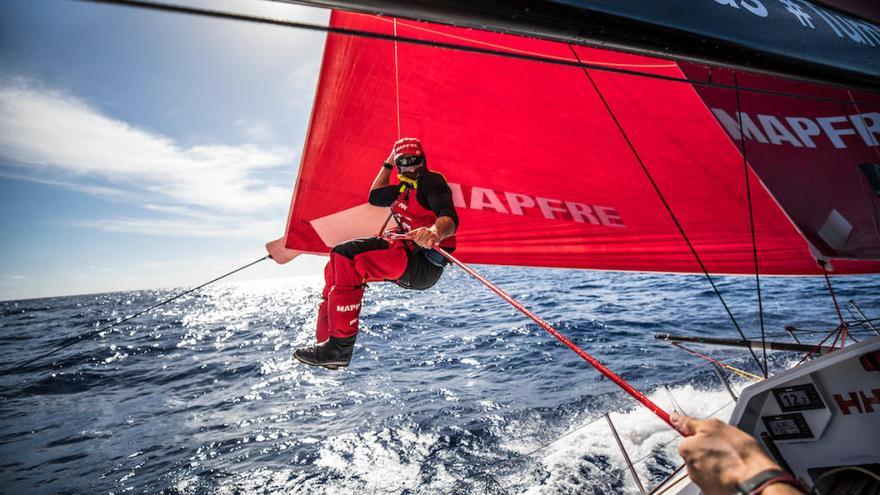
(666, 205)
(451, 46)
(396, 79)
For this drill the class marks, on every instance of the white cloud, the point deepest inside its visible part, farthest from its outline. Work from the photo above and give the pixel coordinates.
(219, 226)
(207, 190)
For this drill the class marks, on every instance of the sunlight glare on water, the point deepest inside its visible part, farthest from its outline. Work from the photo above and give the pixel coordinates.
(450, 390)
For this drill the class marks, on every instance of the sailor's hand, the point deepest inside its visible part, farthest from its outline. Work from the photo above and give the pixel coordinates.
(720, 456)
(424, 237)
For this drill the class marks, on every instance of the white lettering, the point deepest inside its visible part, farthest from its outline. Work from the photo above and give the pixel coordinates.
(580, 211)
(457, 195)
(730, 125)
(733, 128)
(751, 130)
(481, 198)
(804, 128)
(827, 124)
(518, 201)
(802, 131)
(828, 20)
(851, 31)
(548, 209)
(866, 130)
(349, 307)
(869, 32)
(776, 132)
(755, 7)
(553, 209)
(729, 3)
(609, 216)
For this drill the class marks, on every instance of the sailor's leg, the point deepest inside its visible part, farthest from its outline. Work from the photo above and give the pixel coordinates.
(322, 332)
(352, 264)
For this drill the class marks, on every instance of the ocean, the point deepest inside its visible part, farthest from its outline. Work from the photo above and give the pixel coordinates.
(450, 390)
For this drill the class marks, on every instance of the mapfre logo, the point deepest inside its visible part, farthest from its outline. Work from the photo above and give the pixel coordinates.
(511, 203)
(348, 307)
(860, 402)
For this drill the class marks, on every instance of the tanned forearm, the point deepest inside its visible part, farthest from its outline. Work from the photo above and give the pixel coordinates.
(444, 227)
(428, 237)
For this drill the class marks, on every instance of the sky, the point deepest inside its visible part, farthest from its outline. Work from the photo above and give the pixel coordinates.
(145, 149)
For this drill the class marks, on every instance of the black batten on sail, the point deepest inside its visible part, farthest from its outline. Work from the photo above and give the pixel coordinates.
(833, 42)
(749, 344)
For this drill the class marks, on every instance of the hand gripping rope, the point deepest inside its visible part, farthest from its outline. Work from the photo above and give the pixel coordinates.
(620, 382)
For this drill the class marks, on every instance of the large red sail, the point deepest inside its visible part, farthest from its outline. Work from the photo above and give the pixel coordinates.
(555, 166)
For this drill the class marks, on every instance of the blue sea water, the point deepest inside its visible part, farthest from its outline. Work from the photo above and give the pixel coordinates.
(450, 391)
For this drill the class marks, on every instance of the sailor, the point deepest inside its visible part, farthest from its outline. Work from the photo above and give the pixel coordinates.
(422, 208)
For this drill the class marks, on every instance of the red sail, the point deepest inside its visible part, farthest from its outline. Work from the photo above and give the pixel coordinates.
(548, 169)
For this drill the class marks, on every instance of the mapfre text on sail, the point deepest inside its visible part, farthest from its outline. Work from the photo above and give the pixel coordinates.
(841, 131)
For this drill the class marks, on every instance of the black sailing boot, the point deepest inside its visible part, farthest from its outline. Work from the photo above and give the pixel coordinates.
(331, 354)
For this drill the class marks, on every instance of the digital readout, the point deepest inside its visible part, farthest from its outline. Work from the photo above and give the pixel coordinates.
(794, 398)
(781, 427)
(798, 398)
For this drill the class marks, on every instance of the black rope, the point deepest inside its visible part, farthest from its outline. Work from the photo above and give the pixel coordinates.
(751, 223)
(451, 46)
(818, 346)
(668, 208)
(831, 291)
(92, 333)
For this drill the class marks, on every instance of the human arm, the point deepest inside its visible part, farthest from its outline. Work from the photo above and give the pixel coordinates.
(438, 196)
(382, 194)
(428, 237)
(383, 178)
(720, 456)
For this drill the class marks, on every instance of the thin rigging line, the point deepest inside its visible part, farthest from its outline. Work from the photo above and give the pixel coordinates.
(751, 223)
(91, 334)
(396, 79)
(511, 49)
(666, 205)
(451, 46)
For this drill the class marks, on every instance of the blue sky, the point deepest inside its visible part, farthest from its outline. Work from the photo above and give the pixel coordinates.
(145, 149)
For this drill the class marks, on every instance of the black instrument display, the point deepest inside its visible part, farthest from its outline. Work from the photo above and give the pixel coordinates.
(798, 398)
(787, 426)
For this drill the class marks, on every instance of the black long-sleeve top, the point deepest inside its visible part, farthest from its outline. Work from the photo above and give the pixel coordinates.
(432, 192)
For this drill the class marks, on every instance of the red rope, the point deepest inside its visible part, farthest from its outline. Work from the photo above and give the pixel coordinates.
(620, 382)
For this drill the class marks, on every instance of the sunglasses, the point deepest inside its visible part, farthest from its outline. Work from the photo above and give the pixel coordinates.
(409, 161)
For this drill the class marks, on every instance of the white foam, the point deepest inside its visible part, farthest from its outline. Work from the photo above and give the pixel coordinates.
(644, 436)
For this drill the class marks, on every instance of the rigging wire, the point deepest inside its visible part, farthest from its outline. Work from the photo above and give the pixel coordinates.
(741, 373)
(397, 101)
(836, 331)
(88, 335)
(843, 326)
(667, 206)
(831, 291)
(751, 222)
(396, 79)
(451, 46)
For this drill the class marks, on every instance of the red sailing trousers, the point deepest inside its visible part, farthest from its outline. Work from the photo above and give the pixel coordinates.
(352, 264)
